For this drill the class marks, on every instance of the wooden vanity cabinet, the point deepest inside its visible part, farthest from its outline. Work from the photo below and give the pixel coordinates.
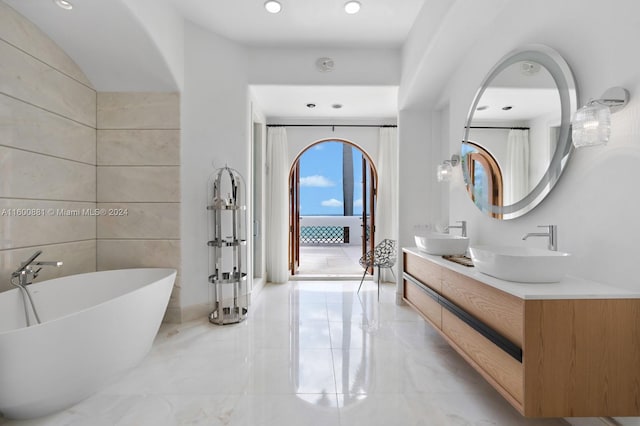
(547, 357)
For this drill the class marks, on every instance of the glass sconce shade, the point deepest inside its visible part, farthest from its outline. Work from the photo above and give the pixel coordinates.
(591, 125)
(445, 171)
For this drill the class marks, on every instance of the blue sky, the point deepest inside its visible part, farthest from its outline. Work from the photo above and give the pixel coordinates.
(321, 180)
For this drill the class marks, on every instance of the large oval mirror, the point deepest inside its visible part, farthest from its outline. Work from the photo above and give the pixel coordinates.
(517, 136)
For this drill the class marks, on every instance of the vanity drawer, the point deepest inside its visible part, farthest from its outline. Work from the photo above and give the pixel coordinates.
(423, 270)
(488, 358)
(500, 311)
(419, 298)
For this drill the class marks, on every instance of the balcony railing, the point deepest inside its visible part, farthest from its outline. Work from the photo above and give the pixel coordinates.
(330, 230)
(310, 235)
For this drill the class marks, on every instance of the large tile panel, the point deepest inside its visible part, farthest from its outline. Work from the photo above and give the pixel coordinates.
(20, 32)
(117, 254)
(139, 220)
(77, 257)
(26, 223)
(129, 110)
(139, 147)
(29, 175)
(139, 184)
(30, 80)
(33, 129)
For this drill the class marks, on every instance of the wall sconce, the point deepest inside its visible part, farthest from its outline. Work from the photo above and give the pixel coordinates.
(445, 170)
(591, 124)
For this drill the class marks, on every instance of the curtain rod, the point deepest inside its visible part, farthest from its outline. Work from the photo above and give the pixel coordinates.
(497, 127)
(332, 125)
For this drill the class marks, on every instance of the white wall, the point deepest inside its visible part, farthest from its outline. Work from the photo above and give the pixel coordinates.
(595, 203)
(420, 195)
(165, 27)
(216, 119)
(597, 188)
(540, 145)
(258, 213)
(440, 38)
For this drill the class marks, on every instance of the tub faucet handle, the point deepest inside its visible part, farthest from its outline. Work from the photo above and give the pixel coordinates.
(25, 265)
(27, 271)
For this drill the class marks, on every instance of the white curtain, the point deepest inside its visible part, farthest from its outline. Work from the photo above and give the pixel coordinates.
(387, 199)
(277, 232)
(517, 179)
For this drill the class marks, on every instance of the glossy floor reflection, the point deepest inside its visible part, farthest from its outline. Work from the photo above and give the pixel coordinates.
(311, 353)
(330, 260)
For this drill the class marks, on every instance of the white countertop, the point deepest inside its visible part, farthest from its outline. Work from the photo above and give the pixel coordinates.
(569, 288)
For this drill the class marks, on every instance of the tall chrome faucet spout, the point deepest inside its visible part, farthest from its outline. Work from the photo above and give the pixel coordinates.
(55, 263)
(462, 227)
(552, 234)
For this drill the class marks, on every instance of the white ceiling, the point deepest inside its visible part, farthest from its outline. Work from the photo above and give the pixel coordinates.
(358, 102)
(527, 104)
(116, 53)
(313, 23)
(306, 23)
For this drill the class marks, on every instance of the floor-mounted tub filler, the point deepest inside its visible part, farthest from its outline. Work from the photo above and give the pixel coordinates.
(95, 327)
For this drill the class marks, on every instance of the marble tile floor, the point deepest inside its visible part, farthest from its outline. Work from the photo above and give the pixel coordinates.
(310, 353)
(330, 260)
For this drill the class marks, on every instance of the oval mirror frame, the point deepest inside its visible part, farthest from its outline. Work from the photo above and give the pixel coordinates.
(563, 77)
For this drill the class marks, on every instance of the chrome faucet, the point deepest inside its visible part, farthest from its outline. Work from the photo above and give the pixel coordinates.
(26, 272)
(25, 275)
(552, 234)
(462, 227)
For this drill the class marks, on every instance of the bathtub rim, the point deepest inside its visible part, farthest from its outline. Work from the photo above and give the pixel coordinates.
(170, 272)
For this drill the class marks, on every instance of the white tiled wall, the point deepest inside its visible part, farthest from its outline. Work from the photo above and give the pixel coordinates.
(47, 153)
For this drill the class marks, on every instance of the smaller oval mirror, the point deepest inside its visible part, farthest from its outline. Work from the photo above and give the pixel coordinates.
(517, 136)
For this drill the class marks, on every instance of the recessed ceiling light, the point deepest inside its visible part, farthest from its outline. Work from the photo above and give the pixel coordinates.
(507, 108)
(273, 6)
(482, 107)
(336, 106)
(311, 105)
(352, 7)
(66, 5)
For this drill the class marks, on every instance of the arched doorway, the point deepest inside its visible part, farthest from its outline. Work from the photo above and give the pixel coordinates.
(485, 177)
(335, 233)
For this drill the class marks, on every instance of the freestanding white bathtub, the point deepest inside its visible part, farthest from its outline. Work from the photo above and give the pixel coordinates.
(95, 327)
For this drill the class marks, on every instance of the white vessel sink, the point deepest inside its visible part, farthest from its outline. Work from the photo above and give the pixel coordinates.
(521, 264)
(442, 244)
